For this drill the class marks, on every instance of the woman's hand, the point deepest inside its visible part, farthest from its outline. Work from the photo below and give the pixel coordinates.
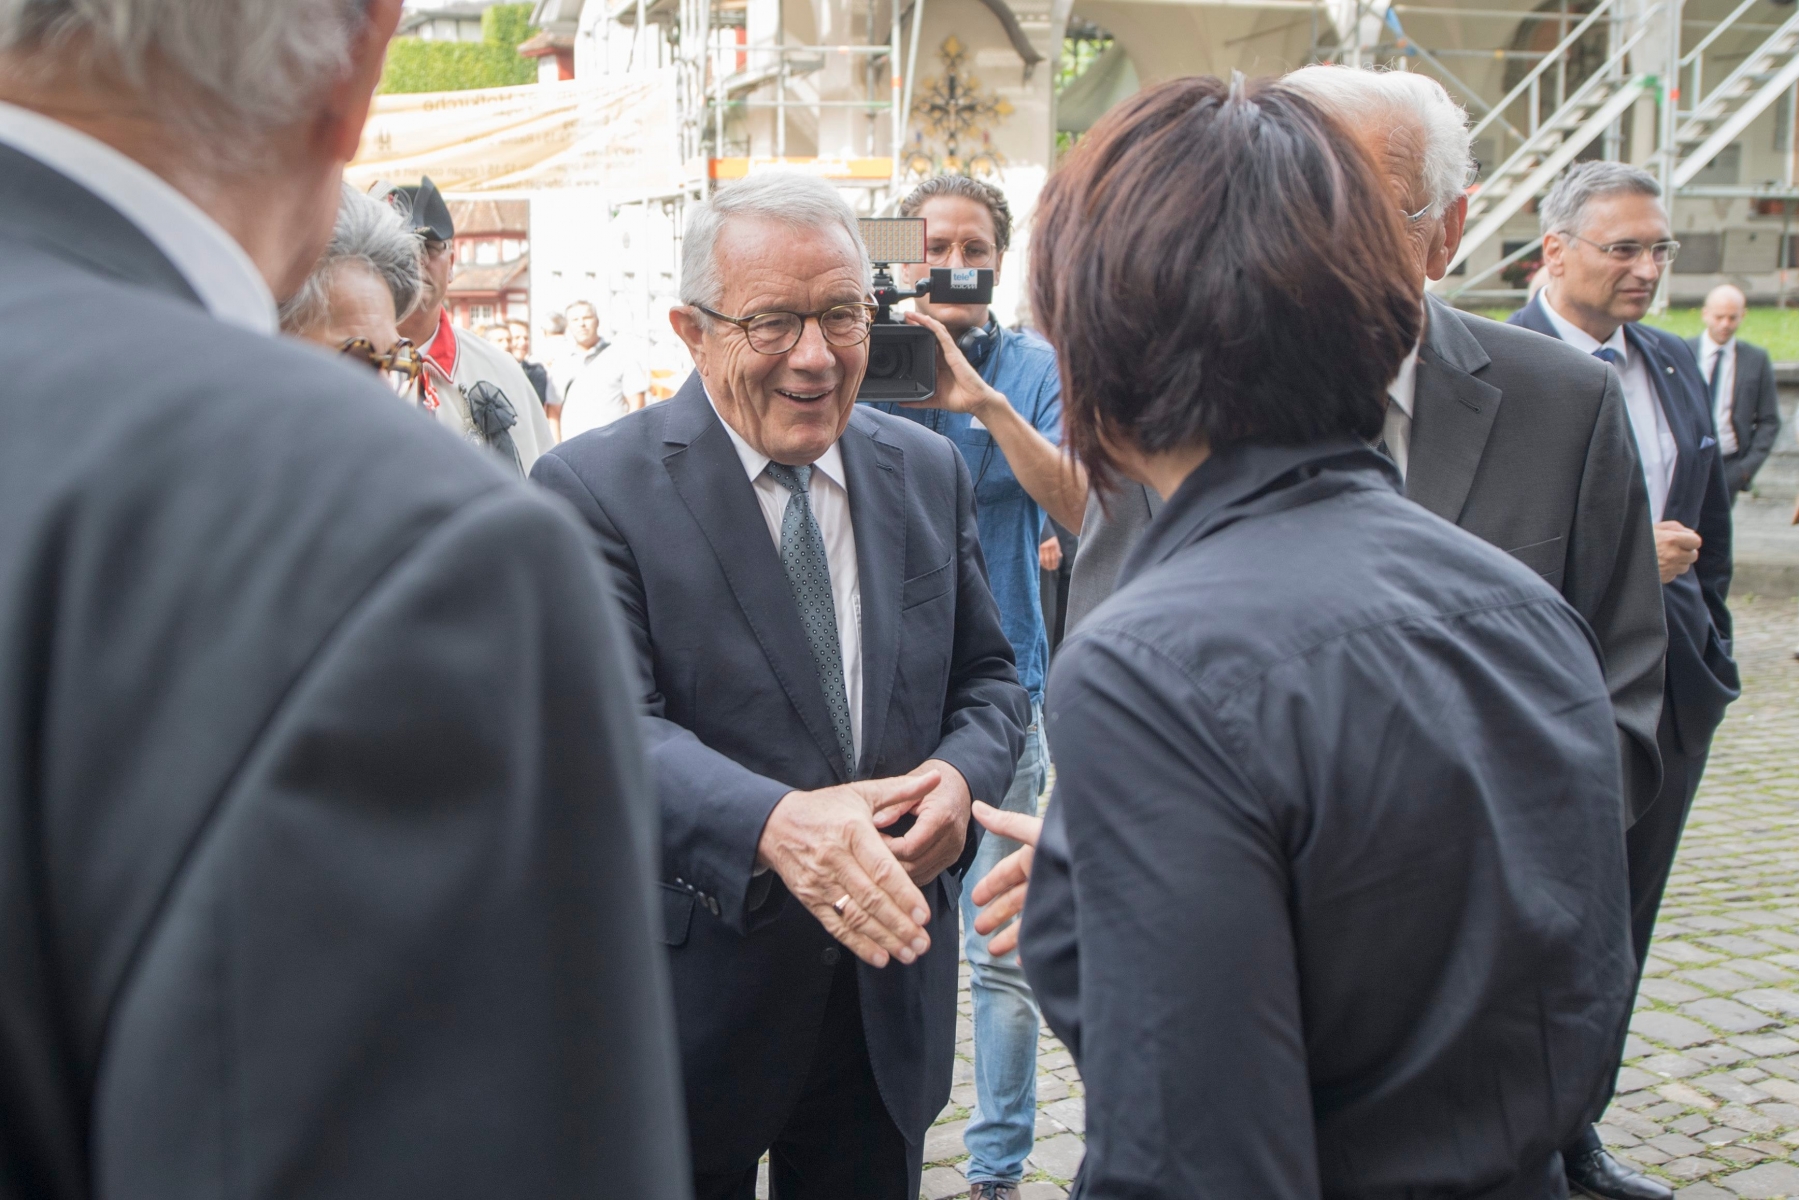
(1001, 894)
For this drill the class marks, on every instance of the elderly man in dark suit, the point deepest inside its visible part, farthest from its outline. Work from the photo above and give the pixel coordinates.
(324, 829)
(1522, 443)
(1739, 378)
(1606, 242)
(828, 687)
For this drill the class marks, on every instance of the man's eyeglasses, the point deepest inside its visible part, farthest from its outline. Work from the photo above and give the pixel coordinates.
(778, 332)
(400, 366)
(975, 252)
(1626, 253)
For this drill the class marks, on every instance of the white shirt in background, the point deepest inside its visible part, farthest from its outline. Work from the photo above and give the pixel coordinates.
(1709, 353)
(1396, 430)
(595, 384)
(830, 498)
(211, 261)
(1655, 440)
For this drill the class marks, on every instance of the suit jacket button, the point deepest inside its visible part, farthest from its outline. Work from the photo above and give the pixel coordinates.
(831, 956)
(712, 903)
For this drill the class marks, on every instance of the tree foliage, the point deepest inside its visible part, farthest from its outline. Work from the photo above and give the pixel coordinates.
(417, 65)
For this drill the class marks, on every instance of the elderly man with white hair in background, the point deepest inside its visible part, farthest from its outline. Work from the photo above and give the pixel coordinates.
(1521, 441)
(1745, 402)
(827, 689)
(324, 835)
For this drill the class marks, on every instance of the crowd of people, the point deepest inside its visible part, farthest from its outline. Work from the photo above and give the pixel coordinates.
(592, 801)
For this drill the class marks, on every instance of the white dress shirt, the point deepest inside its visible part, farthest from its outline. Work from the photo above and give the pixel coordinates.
(1709, 353)
(1655, 441)
(1396, 430)
(830, 498)
(214, 265)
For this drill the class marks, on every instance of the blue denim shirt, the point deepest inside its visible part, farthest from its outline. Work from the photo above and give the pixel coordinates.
(1022, 367)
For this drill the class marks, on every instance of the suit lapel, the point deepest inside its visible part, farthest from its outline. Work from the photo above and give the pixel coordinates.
(1683, 424)
(52, 211)
(1452, 415)
(708, 476)
(876, 471)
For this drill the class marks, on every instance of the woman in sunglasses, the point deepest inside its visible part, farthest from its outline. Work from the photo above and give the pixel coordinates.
(364, 283)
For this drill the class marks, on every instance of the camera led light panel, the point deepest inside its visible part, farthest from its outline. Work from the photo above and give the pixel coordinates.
(893, 239)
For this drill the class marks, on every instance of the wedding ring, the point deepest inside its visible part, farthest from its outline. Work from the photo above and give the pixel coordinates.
(841, 903)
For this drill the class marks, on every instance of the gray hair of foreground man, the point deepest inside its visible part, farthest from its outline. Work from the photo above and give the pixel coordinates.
(798, 201)
(1360, 95)
(369, 232)
(241, 64)
(1566, 204)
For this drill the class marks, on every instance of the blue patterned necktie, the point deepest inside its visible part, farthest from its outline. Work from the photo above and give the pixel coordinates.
(809, 574)
(1607, 354)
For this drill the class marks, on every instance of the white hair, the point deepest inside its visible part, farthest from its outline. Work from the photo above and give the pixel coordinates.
(245, 65)
(1562, 210)
(366, 232)
(1358, 95)
(800, 202)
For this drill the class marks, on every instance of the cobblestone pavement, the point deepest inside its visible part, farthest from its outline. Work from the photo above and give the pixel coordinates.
(1709, 1096)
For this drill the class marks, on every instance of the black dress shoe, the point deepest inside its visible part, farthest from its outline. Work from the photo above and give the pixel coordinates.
(1598, 1174)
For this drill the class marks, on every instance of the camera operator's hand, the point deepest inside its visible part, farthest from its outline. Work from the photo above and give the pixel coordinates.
(960, 387)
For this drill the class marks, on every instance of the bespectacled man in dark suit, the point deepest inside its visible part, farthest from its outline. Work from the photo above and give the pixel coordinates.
(1739, 378)
(827, 689)
(1606, 242)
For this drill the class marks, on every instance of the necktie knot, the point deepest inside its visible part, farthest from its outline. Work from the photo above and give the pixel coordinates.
(795, 479)
(1607, 354)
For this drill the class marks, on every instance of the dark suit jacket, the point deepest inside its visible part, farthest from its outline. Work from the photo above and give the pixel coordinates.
(1331, 897)
(1527, 446)
(736, 720)
(1754, 413)
(1702, 677)
(324, 832)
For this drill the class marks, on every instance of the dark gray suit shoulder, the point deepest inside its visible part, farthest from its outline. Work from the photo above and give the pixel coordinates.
(1519, 351)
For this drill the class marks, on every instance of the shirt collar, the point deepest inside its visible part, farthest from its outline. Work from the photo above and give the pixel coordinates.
(442, 350)
(213, 264)
(1405, 383)
(1712, 348)
(830, 463)
(1579, 338)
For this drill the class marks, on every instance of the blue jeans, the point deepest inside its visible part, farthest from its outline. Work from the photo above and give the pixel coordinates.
(1005, 1013)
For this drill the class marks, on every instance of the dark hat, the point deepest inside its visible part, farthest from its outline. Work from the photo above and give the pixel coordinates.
(422, 206)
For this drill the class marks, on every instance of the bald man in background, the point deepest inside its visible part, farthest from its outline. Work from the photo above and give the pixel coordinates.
(1745, 405)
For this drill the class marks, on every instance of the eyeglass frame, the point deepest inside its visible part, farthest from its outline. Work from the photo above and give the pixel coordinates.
(412, 366)
(743, 323)
(961, 247)
(1673, 245)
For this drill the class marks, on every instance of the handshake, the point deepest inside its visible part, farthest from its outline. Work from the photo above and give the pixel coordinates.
(829, 848)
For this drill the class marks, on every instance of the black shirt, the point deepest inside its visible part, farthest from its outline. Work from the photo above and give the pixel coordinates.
(1331, 899)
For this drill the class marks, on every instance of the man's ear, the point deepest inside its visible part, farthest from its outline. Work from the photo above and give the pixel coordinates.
(1553, 249)
(689, 325)
(1455, 221)
(345, 107)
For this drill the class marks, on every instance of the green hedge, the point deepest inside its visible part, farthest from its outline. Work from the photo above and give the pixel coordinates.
(416, 65)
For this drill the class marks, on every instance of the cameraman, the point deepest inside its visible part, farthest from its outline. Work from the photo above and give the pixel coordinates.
(999, 399)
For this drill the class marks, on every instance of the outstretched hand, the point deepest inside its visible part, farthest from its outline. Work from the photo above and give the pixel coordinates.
(1001, 894)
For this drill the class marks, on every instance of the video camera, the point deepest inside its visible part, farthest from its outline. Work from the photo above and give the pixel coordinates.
(902, 358)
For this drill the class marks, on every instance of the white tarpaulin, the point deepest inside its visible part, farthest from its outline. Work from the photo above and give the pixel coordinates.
(618, 135)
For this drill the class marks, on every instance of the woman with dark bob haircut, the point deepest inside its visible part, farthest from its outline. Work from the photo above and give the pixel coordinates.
(1330, 899)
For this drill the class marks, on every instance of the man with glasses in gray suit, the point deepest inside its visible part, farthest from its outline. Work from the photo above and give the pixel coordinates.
(324, 831)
